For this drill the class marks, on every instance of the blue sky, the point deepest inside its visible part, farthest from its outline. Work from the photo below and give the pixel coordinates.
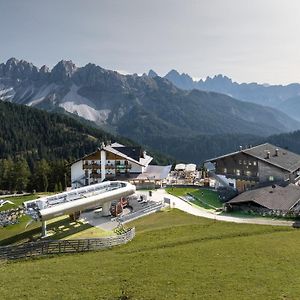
(254, 40)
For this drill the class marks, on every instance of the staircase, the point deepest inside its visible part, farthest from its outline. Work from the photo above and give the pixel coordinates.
(150, 208)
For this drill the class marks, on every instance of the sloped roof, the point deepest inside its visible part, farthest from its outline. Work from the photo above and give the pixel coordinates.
(115, 144)
(125, 152)
(133, 152)
(119, 153)
(146, 159)
(278, 198)
(155, 172)
(284, 159)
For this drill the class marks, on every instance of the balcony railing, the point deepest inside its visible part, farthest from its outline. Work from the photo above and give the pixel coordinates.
(91, 166)
(95, 175)
(110, 175)
(109, 167)
(97, 166)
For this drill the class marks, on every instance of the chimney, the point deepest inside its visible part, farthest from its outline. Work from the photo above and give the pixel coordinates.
(268, 154)
(241, 148)
(276, 151)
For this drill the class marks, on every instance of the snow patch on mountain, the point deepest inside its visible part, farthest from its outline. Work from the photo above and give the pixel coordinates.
(75, 103)
(42, 93)
(6, 93)
(87, 112)
(73, 96)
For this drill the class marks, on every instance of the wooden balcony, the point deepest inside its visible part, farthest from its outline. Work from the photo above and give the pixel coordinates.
(110, 175)
(95, 175)
(94, 166)
(109, 167)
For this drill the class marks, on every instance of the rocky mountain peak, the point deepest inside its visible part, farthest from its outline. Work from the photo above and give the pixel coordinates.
(19, 69)
(152, 73)
(63, 71)
(183, 81)
(172, 73)
(12, 61)
(44, 69)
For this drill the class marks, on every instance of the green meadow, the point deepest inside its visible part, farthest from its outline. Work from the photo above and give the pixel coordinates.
(173, 256)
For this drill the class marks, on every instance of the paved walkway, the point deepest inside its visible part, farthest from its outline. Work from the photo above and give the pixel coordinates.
(176, 202)
(104, 223)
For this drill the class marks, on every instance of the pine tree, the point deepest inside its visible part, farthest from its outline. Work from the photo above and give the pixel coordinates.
(21, 175)
(41, 174)
(6, 174)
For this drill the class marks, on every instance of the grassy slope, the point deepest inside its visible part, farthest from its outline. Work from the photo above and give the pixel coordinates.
(175, 191)
(174, 256)
(205, 196)
(18, 200)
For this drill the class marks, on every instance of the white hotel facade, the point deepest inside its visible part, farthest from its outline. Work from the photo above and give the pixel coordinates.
(113, 161)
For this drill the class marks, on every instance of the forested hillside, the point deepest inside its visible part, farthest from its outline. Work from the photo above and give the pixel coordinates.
(29, 132)
(36, 146)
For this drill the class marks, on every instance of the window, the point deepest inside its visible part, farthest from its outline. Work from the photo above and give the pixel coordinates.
(248, 173)
(249, 162)
(245, 162)
(238, 172)
(225, 170)
(254, 163)
(271, 178)
(240, 162)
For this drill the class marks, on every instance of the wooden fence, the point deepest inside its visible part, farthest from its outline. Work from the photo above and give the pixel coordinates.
(49, 247)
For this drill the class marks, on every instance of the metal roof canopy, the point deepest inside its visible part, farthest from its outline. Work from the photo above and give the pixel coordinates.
(50, 207)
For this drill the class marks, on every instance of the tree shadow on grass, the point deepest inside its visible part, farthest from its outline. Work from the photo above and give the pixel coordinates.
(57, 230)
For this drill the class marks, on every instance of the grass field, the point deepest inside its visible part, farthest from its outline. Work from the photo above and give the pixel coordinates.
(175, 191)
(203, 197)
(17, 201)
(173, 256)
(207, 199)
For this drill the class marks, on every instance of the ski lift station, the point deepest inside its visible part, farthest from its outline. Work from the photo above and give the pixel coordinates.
(75, 201)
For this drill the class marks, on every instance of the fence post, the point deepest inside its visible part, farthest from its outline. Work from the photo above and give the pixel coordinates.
(42, 248)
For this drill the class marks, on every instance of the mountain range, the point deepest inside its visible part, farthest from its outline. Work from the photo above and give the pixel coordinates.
(283, 97)
(148, 109)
